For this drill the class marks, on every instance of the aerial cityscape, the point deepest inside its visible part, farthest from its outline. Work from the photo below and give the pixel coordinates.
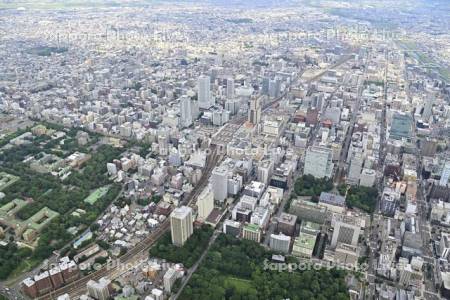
(224, 149)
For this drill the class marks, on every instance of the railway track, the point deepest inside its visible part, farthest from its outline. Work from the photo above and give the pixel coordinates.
(78, 287)
(129, 259)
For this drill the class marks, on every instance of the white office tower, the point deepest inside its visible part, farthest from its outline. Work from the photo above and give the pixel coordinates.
(274, 87)
(205, 202)
(219, 180)
(186, 111)
(354, 171)
(368, 177)
(445, 174)
(163, 144)
(444, 245)
(181, 225)
(346, 230)
(204, 92)
(318, 162)
(235, 184)
(174, 157)
(99, 290)
(169, 279)
(405, 275)
(427, 108)
(232, 105)
(265, 170)
(217, 118)
(230, 88)
(112, 169)
(280, 243)
(157, 294)
(254, 112)
(195, 110)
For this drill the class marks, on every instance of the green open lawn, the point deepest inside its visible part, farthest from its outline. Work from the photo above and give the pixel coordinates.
(97, 194)
(241, 285)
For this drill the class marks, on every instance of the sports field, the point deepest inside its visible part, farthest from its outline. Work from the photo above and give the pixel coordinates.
(97, 194)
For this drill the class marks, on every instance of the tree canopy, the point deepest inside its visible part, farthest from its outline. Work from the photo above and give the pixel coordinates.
(234, 269)
(189, 253)
(362, 197)
(308, 185)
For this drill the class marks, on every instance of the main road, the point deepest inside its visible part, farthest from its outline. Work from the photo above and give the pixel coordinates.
(137, 253)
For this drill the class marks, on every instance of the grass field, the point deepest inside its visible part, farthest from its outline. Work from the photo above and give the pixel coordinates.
(97, 194)
(241, 285)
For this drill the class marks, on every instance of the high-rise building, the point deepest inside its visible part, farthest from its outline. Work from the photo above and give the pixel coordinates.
(275, 87)
(318, 162)
(405, 275)
(346, 230)
(195, 110)
(99, 290)
(427, 108)
(157, 294)
(205, 202)
(444, 245)
(280, 242)
(219, 180)
(411, 274)
(185, 111)
(181, 225)
(204, 92)
(254, 112)
(309, 211)
(368, 177)
(265, 170)
(428, 146)
(445, 174)
(169, 279)
(232, 105)
(163, 144)
(112, 168)
(287, 223)
(389, 204)
(230, 88)
(354, 171)
(265, 86)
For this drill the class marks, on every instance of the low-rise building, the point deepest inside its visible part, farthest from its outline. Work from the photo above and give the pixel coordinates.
(251, 232)
(304, 245)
